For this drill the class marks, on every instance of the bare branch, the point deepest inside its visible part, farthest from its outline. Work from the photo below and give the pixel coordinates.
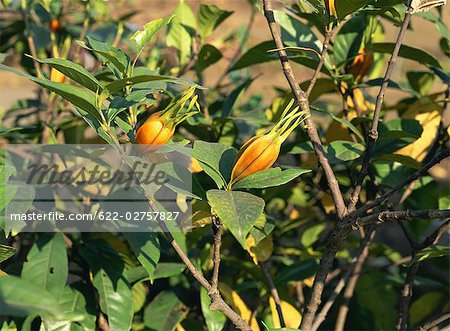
(373, 133)
(217, 227)
(326, 42)
(273, 292)
(417, 174)
(429, 214)
(302, 100)
(429, 325)
(407, 289)
(351, 284)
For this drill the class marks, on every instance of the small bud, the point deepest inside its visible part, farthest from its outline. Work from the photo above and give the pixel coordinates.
(54, 25)
(361, 64)
(257, 154)
(331, 9)
(154, 131)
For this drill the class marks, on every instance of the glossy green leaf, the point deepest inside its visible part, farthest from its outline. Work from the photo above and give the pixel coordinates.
(109, 279)
(431, 253)
(181, 31)
(144, 36)
(209, 18)
(47, 264)
(297, 271)
(239, 211)
(215, 320)
(346, 7)
(408, 52)
(164, 312)
(6, 252)
(216, 159)
(423, 307)
(145, 246)
(208, 56)
(311, 234)
(78, 96)
(20, 297)
(342, 151)
(269, 177)
(163, 270)
(75, 72)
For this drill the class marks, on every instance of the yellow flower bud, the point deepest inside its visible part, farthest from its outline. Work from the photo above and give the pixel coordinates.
(154, 131)
(331, 9)
(361, 64)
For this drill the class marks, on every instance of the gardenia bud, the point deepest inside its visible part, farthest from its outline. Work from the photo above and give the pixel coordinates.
(257, 154)
(160, 126)
(261, 152)
(361, 64)
(154, 131)
(331, 9)
(56, 76)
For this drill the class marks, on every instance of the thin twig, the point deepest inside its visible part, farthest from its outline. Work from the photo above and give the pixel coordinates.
(273, 292)
(326, 42)
(303, 103)
(373, 133)
(429, 325)
(407, 289)
(217, 227)
(417, 174)
(351, 284)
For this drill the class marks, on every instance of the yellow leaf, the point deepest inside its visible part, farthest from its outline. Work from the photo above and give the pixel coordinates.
(327, 203)
(291, 315)
(2, 273)
(309, 281)
(260, 252)
(429, 116)
(232, 298)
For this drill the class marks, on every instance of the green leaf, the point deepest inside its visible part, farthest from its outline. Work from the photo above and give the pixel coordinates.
(343, 121)
(431, 253)
(163, 270)
(75, 72)
(233, 97)
(146, 248)
(215, 320)
(346, 7)
(297, 271)
(311, 234)
(164, 312)
(109, 279)
(423, 307)
(47, 264)
(117, 61)
(408, 52)
(20, 297)
(295, 33)
(209, 18)
(150, 30)
(239, 211)
(78, 96)
(342, 151)
(348, 40)
(269, 177)
(260, 54)
(216, 159)
(208, 56)
(181, 31)
(6, 252)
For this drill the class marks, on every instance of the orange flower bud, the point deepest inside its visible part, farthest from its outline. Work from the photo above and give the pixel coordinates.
(56, 76)
(257, 154)
(54, 25)
(154, 131)
(361, 64)
(331, 9)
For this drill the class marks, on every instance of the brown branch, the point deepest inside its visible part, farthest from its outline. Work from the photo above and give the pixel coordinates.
(407, 289)
(373, 133)
(351, 284)
(326, 42)
(429, 325)
(217, 302)
(302, 100)
(274, 293)
(417, 174)
(354, 268)
(217, 227)
(429, 214)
